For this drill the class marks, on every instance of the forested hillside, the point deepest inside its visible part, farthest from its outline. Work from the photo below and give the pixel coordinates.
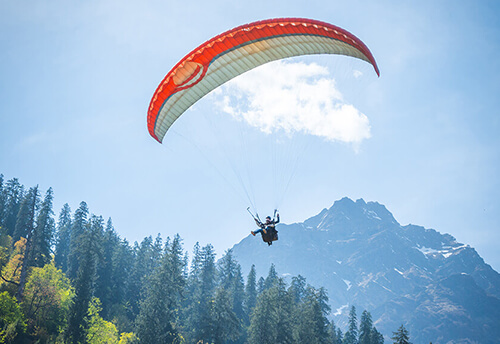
(72, 279)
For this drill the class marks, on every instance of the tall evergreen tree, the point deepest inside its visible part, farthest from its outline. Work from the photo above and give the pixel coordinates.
(271, 318)
(3, 202)
(63, 238)
(401, 336)
(376, 337)
(272, 277)
(340, 336)
(104, 282)
(44, 232)
(146, 259)
(226, 270)
(120, 278)
(77, 229)
(25, 226)
(226, 326)
(334, 336)
(260, 285)
(297, 288)
(250, 293)
(14, 194)
(262, 329)
(365, 328)
(156, 323)
(311, 323)
(202, 320)
(351, 336)
(231, 280)
(25, 220)
(88, 252)
(238, 293)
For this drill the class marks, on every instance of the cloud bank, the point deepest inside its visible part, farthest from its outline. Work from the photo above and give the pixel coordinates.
(293, 97)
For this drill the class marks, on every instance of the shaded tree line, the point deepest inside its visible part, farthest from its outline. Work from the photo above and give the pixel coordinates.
(75, 280)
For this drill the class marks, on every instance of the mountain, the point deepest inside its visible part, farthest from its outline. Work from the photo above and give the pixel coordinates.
(442, 290)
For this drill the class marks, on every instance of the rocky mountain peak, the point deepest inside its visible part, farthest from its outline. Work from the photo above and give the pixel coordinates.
(364, 257)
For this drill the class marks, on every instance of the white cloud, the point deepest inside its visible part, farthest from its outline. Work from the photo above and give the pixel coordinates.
(293, 97)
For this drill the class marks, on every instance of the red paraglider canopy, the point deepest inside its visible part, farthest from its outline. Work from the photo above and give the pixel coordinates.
(239, 50)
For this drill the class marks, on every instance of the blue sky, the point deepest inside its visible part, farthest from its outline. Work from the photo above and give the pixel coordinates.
(77, 78)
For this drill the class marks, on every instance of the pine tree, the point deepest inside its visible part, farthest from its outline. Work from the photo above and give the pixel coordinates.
(3, 203)
(340, 336)
(231, 280)
(145, 260)
(365, 328)
(88, 249)
(63, 238)
(297, 288)
(272, 277)
(156, 323)
(401, 336)
(226, 270)
(25, 220)
(201, 320)
(122, 259)
(77, 229)
(376, 337)
(271, 319)
(104, 282)
(44, 232)
(260, 330)
(13, 195)
(226, 325)
(311, 323)
(25, 227)
(333, 334)
(250, 293)
(238, 293)
(351, 336)
(260, 285)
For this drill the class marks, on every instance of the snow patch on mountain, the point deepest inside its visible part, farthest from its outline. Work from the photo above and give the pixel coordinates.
(339, 310)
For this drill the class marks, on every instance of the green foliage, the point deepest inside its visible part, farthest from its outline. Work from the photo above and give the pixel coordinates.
(46, 302)
(5, 249)
(12, 320)
(100, 331)
(11, 272)
(128, 338)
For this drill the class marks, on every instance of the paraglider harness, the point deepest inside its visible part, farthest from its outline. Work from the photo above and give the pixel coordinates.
(271, 233)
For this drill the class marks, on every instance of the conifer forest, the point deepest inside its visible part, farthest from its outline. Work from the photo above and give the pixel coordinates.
(70, 278)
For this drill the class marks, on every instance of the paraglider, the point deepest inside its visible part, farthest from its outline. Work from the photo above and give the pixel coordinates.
(268, 228)
(237, 51)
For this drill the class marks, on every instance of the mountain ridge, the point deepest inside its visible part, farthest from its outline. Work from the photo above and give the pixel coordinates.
(360, 253)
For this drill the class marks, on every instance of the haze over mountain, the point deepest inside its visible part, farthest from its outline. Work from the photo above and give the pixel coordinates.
(442, 290)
